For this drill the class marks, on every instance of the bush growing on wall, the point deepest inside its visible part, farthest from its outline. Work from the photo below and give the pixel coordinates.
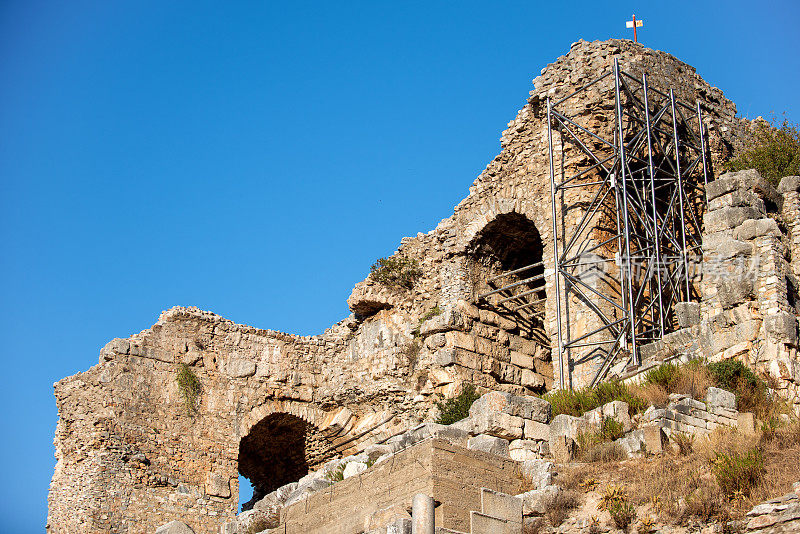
(456, 408)
(774, 154)
(396, 272)
(189, 385)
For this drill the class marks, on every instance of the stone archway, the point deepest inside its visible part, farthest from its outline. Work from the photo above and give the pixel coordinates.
(506, 259)
(279, 449)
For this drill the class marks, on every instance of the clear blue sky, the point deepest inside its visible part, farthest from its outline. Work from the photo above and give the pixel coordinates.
(254, 158)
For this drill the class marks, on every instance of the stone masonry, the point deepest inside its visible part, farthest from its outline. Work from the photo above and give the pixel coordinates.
(132, 455)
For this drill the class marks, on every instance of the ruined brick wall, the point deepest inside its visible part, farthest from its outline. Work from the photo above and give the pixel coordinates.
(130, 457)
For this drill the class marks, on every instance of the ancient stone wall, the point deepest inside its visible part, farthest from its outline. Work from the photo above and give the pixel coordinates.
(132, 456)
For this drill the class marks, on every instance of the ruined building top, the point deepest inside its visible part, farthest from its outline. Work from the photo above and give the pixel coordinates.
(134, 451)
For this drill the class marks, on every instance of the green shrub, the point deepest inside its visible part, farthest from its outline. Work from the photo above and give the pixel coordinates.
(611, 429)
(615, 501)
(396, 272)
(751, 391)
(579, 401)
(189, 385)
(663, 375)
(738, 474)
(775, 152)
(623, 513)
(728, 374)
(456, 408)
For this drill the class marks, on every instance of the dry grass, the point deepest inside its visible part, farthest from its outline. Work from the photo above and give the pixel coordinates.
(676, 488)
(692, 379)
(560, 506)
(601, 452)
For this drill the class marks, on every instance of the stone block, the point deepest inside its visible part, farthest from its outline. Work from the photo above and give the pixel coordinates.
(751, 180)
(449, 319)
(524, 407)
(531, 380)
(218, 485)
(490, 444)
(501, 505)
(524, 449)
(484, 524)
(687, 313)
(536, 502)
(716, 397)
(240, 368)
(538, 473)
(737, 197)
(728, 249)
(734, 290)
(721, 186)
(562, 448)
(354, 468)
(536, 430)
(753, 228)
(401, 525)
(174, 527)
(654, 439)
(568, 425)
(783, 325)
(633, 443)
(445, 357)
(653, 414)
(466, 424)
(727, 218)
(746, 423)
(460, 340)
(522, 360)
(789, 183)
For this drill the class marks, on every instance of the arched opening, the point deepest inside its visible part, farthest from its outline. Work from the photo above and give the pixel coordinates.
(279, 449)
(508, 277)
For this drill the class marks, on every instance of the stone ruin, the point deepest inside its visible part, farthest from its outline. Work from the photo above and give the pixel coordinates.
(277, 407)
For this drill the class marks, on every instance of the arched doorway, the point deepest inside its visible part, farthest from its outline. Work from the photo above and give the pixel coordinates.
(508, 275)
(279, 449)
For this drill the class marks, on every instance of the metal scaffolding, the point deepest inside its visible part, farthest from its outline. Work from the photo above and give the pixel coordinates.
(626, 215)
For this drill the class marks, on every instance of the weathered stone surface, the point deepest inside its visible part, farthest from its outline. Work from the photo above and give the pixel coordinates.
(752, 228)
(524, 449)
(727, 218)
(568, 425)
(535, 502)
(174, 527)
(489, 444)
(654, 439)
(536, 430)
(687, 314)
(720, 398)
(353, 468)
(789, 183)
(537, 472)
(218, 485)
(562, 448)
(633, 443)
(783, 325)
(525, 407)
(501, 505)
(746, 423)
